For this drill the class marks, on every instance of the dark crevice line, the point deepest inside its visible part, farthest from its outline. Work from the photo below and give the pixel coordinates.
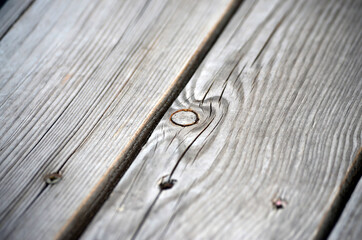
(76, 128)
(36, 197)
(210, 109)
(208, 90)
(208, 135)
(114, 98)
(133, 182)
(143, 10)
(241, 23)
(27, 208)
(177, 209)
(55, 47)
(173, 216)
(271, 36)
(340, 201)
(227, 80)
(242, 50)
(15, 21)
(146, 215)
(48, 97)
(173, 138)
(46, 164)
(27, 56)
(225, 84)
(74, 228)
(188, 147)
(2, 3)
(240, 54)
(105, 111)
(254, 82)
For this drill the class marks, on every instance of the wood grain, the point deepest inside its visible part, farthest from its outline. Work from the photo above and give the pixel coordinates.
(345, 191)
(349, 226)
(82, 85)
(278, 98)
(10, 12)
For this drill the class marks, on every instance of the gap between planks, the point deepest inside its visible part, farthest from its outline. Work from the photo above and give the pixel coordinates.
(97, 195)
(80, 220)
(275, 70)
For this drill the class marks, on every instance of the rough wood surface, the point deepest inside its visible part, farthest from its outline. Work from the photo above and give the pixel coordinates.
(345, 191)
(349, 226)
(279, 105)
(81, 81)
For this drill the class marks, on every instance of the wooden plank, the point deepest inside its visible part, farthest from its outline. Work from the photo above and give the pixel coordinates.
(10, 12)
(345, 191)
(82, 85)
(278, 102)
(349, 226)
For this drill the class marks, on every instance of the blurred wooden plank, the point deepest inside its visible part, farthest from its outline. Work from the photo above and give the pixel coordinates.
(10, 13)
(278, 102)
(82, 85)
(349, 226)
(340, 200)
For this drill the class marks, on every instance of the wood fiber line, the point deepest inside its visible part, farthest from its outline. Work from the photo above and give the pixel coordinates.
(83, 85)
(279, 126)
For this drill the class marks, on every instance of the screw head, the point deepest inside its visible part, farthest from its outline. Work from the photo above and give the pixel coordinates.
(53, 178)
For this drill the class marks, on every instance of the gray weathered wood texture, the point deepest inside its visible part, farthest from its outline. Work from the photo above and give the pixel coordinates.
(81, 84)
(279, 103)
(10, 13)
(349, 226)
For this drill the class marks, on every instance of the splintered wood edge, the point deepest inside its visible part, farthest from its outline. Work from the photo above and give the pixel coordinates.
(77, 223)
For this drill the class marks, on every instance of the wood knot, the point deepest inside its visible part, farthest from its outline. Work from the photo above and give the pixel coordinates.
(184, 117)
(53, 178)
(166, 182)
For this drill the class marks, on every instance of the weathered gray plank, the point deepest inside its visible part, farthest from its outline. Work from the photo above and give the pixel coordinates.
(340, 200)
(278, 100)
(10, 12)
(349, 225)
(82, 84)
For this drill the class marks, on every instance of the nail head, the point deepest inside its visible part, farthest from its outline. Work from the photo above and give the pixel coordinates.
(53, 178)
(279, 203)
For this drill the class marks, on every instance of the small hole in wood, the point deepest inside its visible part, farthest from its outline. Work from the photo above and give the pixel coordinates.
(279, 203)
(184, 117)
(53, 178)
(166, 183)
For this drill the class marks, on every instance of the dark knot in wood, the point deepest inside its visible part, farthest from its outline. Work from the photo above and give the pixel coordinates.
(166, 182)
